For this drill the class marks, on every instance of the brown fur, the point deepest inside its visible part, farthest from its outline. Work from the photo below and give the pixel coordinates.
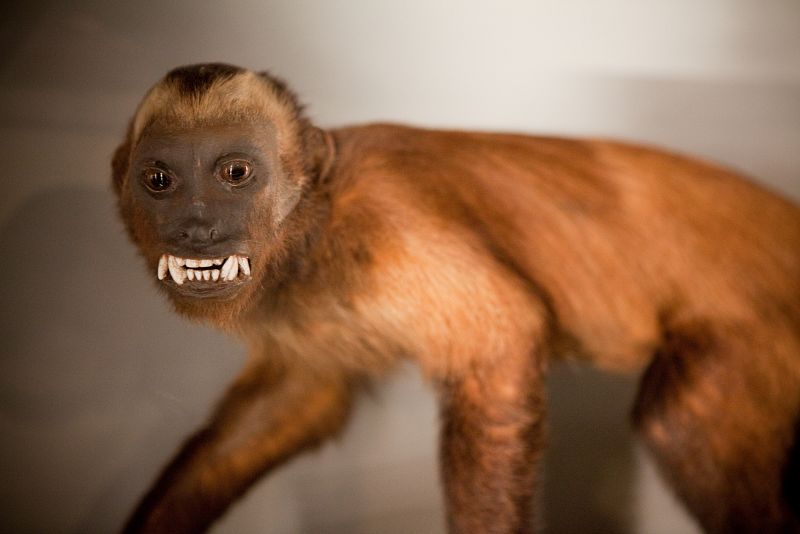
(482, 257)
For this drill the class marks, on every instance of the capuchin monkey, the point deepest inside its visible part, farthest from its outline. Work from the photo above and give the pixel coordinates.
(336, 254)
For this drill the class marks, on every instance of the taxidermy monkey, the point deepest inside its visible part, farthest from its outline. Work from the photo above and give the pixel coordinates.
(482, 257)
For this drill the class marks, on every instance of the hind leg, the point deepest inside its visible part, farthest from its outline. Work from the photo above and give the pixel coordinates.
(720, 411)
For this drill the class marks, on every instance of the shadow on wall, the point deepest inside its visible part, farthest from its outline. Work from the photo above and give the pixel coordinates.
(590, 466)
(98, 379)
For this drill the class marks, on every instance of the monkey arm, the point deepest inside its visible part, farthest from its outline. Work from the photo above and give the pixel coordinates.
(268, 415)
(492, 438)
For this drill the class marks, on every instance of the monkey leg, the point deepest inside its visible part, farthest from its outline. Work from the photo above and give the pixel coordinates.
(492, 437)
(268, 415)
(720, 410)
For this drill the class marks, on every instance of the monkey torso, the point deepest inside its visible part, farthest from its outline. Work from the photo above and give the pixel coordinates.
(603, 246)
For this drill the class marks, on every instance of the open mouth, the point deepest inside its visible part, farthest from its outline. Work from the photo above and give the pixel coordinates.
(206, 271)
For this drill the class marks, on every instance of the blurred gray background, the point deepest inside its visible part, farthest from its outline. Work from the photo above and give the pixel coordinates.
(99, 382)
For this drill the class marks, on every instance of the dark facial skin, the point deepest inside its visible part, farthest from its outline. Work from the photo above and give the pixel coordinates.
(200, 188)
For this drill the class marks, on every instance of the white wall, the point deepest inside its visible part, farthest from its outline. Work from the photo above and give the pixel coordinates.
(99, 382)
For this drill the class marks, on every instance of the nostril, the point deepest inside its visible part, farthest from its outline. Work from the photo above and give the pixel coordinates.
(197, 234)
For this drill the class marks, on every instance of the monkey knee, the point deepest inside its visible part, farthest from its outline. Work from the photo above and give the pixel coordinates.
(658, 402)
(678, 388)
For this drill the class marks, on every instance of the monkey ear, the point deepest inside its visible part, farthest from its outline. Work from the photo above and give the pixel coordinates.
(119, 162)
(321, 150)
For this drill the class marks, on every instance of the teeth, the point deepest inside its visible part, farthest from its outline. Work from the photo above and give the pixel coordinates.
(231, 268)
(244, 265)
(200, 263)
(234, 269)
(162, 267)
(226, 267)
(181, 269)
(177, 272)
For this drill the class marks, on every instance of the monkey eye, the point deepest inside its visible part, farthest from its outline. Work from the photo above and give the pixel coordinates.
(236, 172)
(157, 180)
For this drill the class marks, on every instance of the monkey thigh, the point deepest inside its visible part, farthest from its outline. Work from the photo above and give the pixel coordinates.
(719, 409)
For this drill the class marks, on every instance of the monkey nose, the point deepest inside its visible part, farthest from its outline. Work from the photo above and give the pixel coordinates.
(197, 234)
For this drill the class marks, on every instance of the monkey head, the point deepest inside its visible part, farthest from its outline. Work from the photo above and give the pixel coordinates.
(216, 161)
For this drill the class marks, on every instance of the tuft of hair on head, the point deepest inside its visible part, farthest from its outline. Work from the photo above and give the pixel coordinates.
(194, 80)
(207, 93)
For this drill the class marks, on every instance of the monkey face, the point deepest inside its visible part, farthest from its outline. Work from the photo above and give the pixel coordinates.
(199, 195)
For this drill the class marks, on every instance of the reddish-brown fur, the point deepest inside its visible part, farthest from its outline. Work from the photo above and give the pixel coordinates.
(482, 257)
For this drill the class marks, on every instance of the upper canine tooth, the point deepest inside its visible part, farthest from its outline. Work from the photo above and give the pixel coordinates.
(234, 270)
(193, 263)
(226, 267)
(177, 272)
(244, 264)
(162, 267)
